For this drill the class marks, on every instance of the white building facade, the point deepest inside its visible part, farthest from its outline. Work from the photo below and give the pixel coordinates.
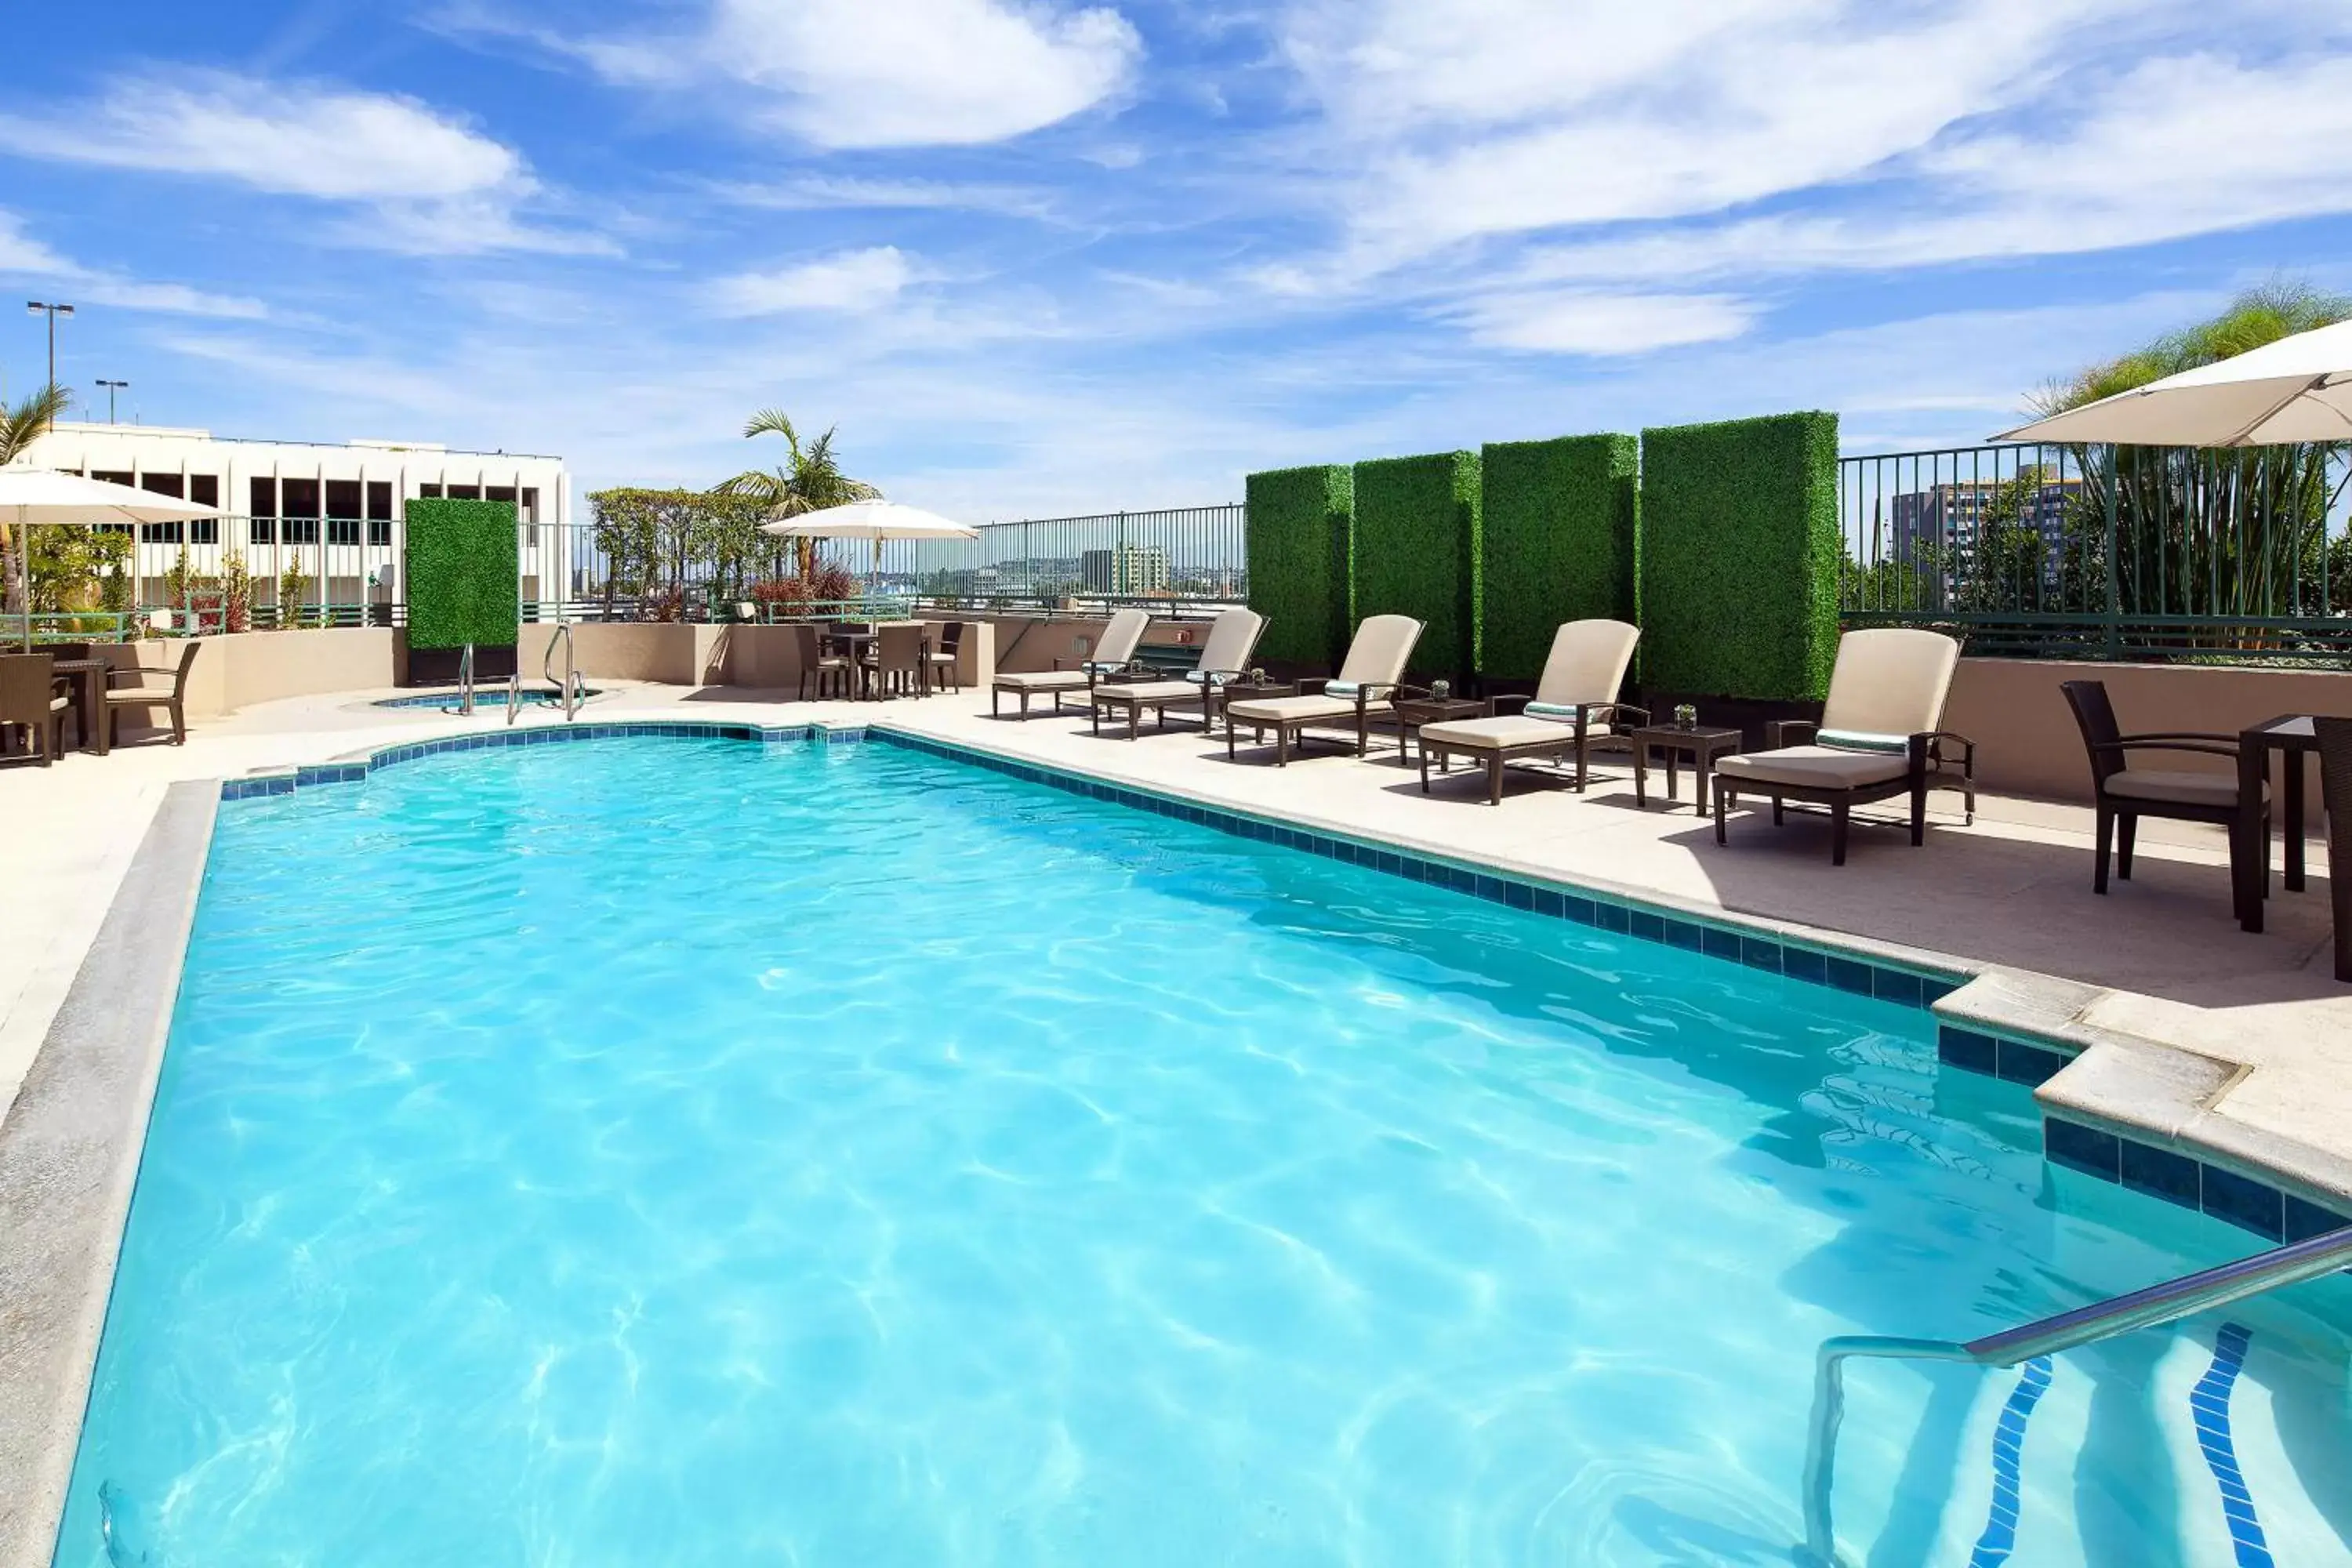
(327, 520)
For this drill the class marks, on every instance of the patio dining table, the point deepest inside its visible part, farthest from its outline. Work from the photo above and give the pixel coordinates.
(90, 699)
(2293, 736)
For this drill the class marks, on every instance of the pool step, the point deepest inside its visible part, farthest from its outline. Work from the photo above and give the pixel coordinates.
(2208, 1443)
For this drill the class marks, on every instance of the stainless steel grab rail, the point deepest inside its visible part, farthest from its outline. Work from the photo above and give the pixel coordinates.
(466, 681)
(514, 696)
(2156, 1305)
(570, 683)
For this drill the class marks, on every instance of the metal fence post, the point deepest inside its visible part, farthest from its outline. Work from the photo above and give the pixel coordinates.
(2114, 609)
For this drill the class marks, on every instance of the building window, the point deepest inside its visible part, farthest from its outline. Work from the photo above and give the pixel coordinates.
(528, 505)
(300, 522)
(464, 492)
(205, 491)
(379, 511)
(174, 532)
(263, 508)
(160, 533)
(429, 492)
(343, 498)
(110, 476)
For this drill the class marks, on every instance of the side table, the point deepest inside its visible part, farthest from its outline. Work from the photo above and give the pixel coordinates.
(1413, 712)
(1701, 743)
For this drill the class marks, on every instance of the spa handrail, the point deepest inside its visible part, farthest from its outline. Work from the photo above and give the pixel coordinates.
(2148, 1309)
(547, 666)
(466, 681)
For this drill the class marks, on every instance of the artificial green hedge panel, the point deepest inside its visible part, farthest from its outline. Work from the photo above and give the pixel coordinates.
(1739, 558)
(461, 573)
(1561, 542)
(1417, 553)
(1300, 544)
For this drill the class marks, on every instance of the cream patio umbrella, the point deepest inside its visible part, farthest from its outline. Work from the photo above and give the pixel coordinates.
(30, 496)
(2296, 390)
(873, 520)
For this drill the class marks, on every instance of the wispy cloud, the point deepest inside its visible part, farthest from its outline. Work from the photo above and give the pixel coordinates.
(22, 256)
(436, 181)
(850, 283)
(819, 193)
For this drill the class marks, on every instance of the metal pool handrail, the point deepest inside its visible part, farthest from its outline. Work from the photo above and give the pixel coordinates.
(2148, 1309)
(466, 681)
(547, 666)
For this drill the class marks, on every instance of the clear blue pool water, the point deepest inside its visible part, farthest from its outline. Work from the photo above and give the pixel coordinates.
(651, 1152)
(484, 697)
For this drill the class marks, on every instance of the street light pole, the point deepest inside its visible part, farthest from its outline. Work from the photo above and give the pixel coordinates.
(38, 307)
(111, 388)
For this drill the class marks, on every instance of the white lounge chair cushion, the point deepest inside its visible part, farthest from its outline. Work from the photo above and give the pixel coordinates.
(1150, 691)
(1307, 709)
(1501, 733)
(1043, 680)
(2179, 788)
(1890, 681)
(1587, 663)
(1379, 653)
(1814, 767)
(1232, 637)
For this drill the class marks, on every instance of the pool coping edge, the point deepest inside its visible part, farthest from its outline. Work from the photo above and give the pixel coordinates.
(69, 1154)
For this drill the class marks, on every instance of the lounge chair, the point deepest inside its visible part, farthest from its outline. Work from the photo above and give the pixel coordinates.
(2123, 793)
(1877, 738)
(1371, 673)
(1225, 657)
(1574, 709)
(174, 697)
(1113, 652)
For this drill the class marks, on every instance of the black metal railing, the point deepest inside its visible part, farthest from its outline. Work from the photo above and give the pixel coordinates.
(2104, 553)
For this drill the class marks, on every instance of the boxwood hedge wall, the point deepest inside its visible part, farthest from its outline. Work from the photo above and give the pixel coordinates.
(1301, 540)
(1417, 553)
(1561, 540)
(461, 573)
(1739, 558)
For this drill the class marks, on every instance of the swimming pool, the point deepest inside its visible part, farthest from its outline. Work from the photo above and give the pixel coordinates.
(661, 1151)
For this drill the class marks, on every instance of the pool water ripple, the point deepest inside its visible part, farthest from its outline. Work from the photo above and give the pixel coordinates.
(676, 1151)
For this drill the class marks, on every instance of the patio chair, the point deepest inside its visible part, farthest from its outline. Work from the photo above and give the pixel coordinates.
(174, 697)
(1877, 738)
(1574, 711)
(1112, 653)
(29, 699)
(2335, 790)
(1371, 673)
(896, 661)
(941, 660)
(816, 664)
(2122, 794)
(1225, 657)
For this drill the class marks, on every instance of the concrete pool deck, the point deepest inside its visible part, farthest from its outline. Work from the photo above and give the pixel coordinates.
(2159, 961)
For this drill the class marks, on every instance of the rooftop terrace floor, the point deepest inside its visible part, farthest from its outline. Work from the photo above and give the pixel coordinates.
(2159, 961)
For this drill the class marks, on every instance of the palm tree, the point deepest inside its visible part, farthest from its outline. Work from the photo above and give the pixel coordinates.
(19, 428)
(810, 481)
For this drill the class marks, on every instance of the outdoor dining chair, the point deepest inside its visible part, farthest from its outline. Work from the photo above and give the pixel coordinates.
(174, 697)
(895, 664)
(29, 700)
(2123, 793)
(817, 664)
(941, 660)
(2336, 789)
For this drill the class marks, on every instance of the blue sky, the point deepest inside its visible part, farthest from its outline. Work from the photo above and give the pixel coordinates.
(1034, 256)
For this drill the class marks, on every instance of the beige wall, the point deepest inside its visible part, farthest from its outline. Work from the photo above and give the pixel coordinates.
(2027, 742)
(1029, 643)
(237, 670)
(683, 654)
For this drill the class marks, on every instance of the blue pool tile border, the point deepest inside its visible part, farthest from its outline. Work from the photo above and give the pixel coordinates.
(1618, 916)
(2247, 1201)
(312, 775)
(1980, 1051)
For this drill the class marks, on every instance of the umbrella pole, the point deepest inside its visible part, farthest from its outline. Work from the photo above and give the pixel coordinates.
(24, 553)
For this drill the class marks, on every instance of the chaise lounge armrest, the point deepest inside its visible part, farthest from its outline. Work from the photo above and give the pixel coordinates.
(1781, 732)
(2210, 747)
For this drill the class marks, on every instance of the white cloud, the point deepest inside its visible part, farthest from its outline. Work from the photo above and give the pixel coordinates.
(853, 282)
(22, 256)
(1605, 324)
(288, 138)
(818, 192)
(894, 73)
(436, 183)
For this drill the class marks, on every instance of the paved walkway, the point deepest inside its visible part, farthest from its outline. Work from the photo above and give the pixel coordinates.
(2159, 959)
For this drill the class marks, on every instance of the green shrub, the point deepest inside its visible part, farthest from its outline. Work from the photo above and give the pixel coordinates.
(1300, 541)
(1739, 558)
(462, 574)
(1562, 542)
(1417, 553)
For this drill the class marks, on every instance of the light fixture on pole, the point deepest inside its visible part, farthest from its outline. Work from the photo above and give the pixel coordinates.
(111, 388)
(40, 308)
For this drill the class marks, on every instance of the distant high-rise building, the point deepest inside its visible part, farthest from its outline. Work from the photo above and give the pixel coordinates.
(1131, 569)
(1943, 521)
